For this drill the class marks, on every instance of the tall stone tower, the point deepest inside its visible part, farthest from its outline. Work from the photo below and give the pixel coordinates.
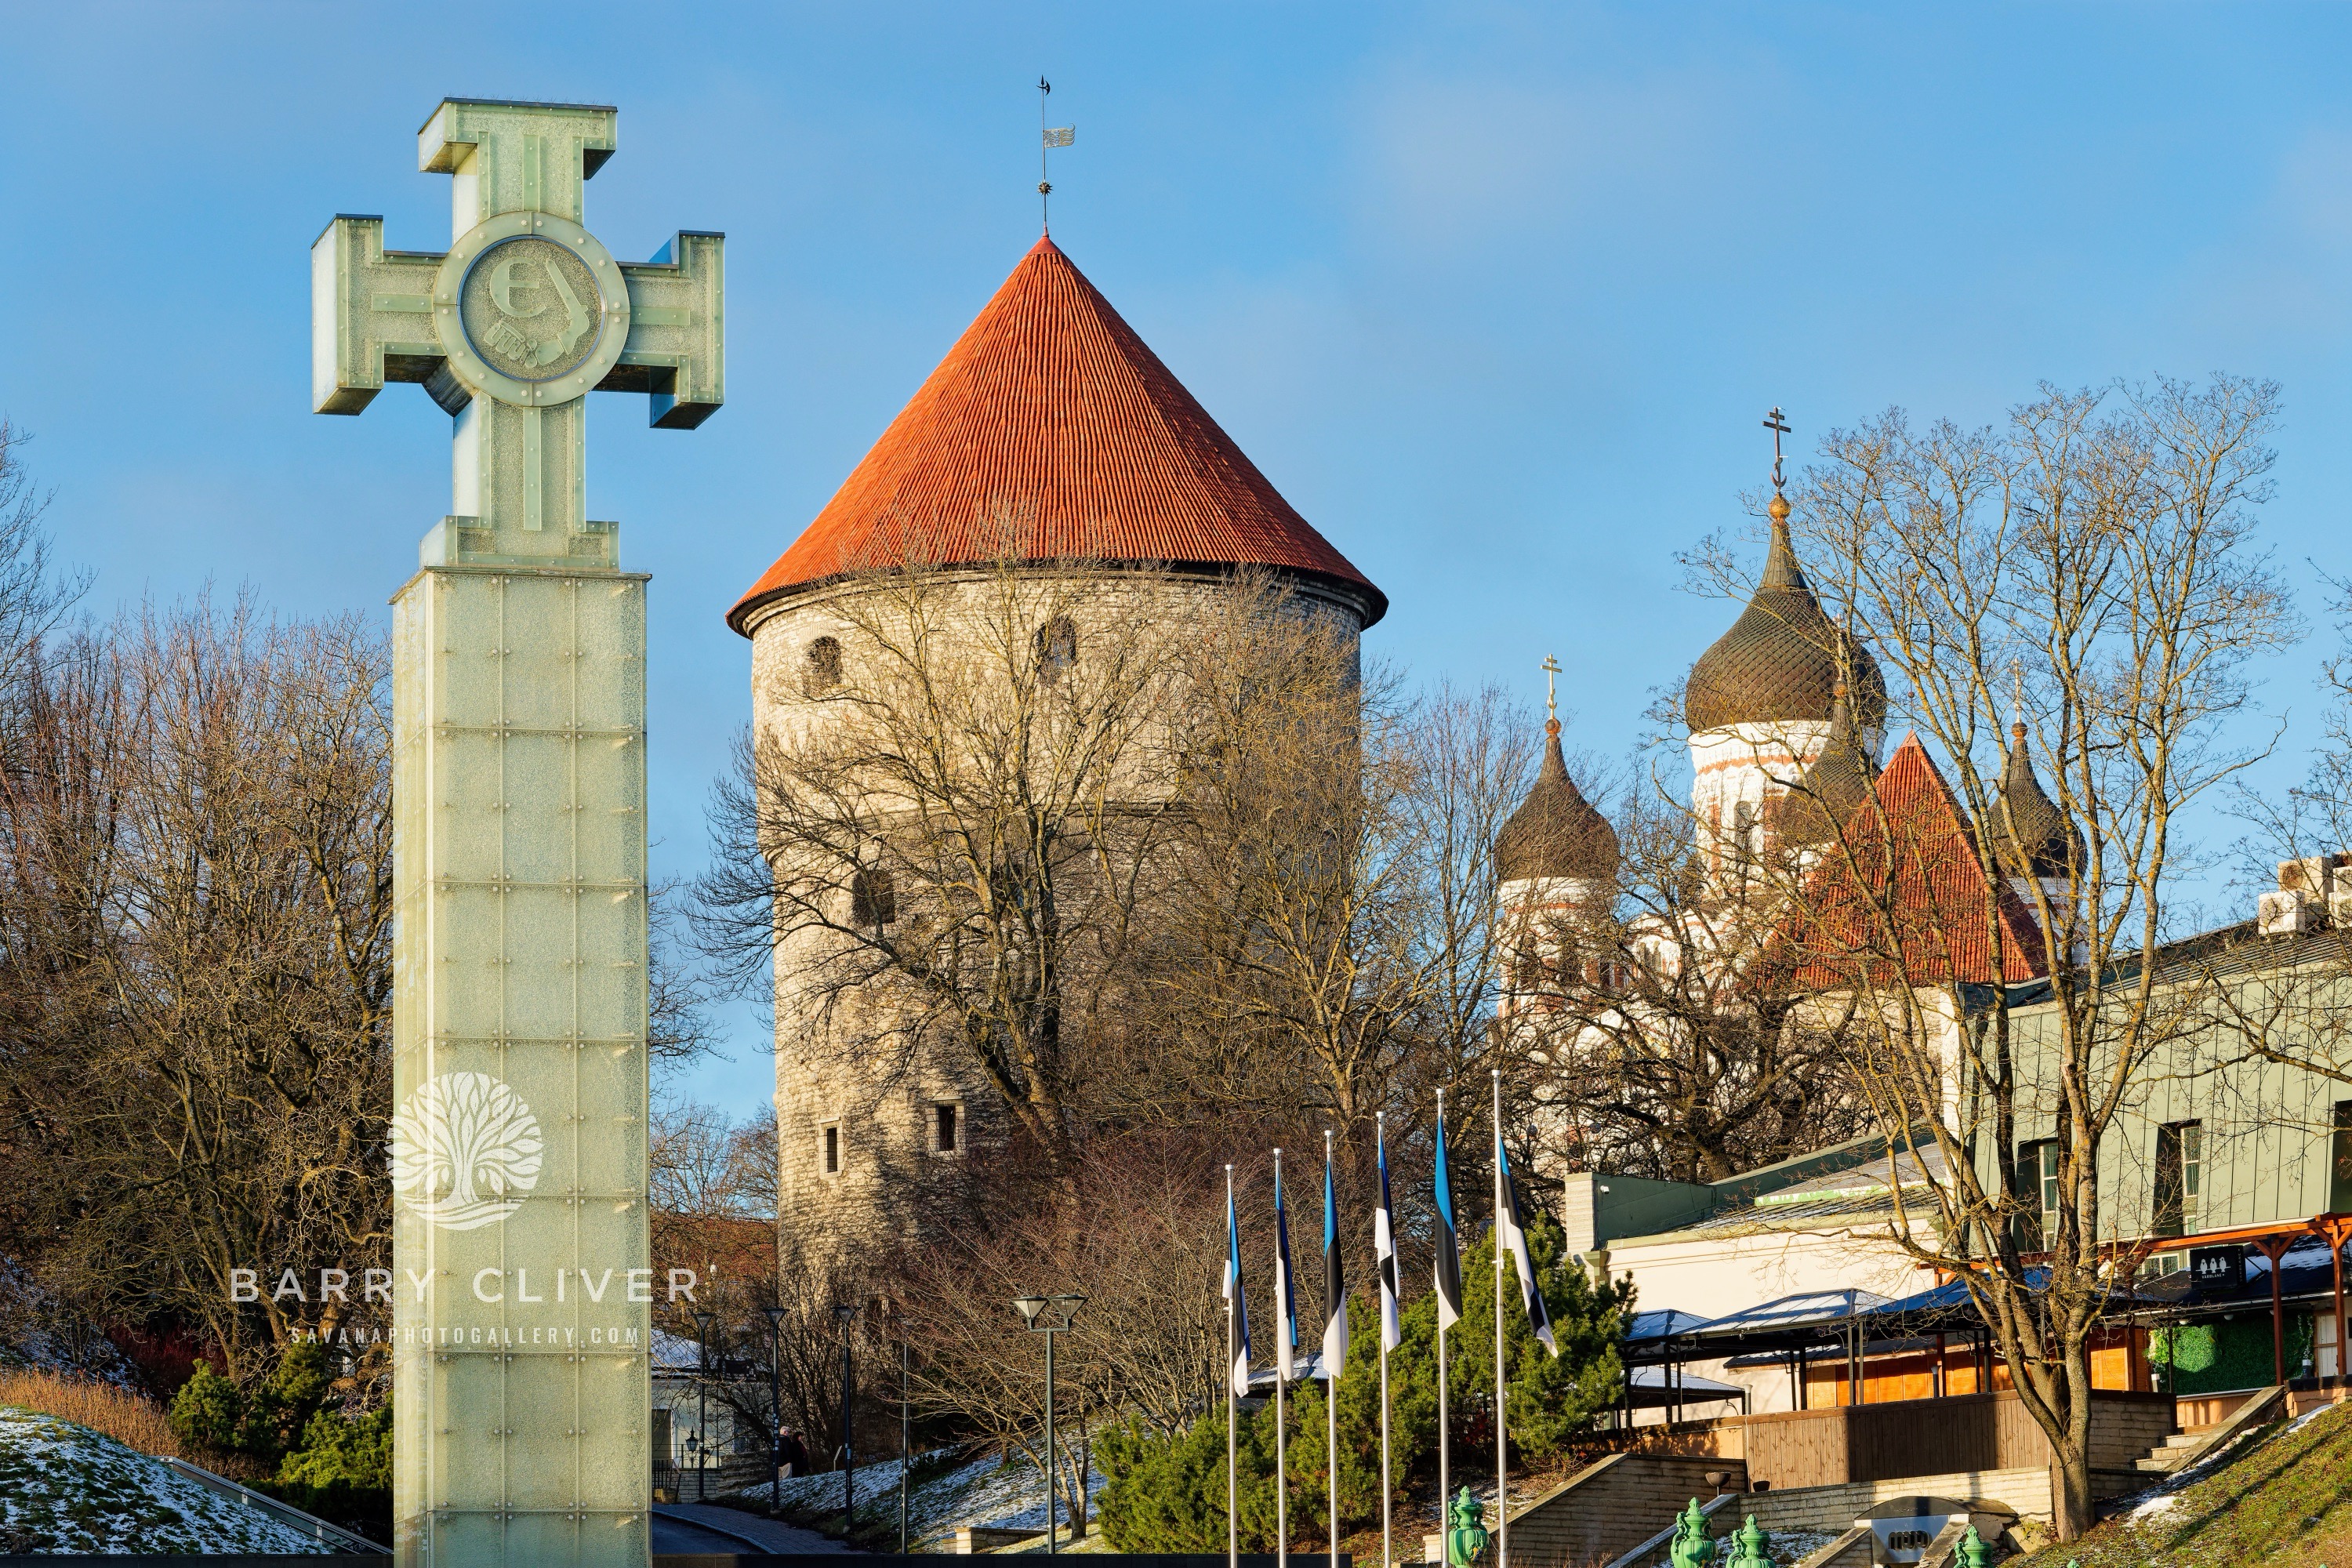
(1762, 704)
(1050, 433)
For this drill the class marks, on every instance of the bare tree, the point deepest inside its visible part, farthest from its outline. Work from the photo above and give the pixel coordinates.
(1139, 1237)
(200, 961)
(2090, 570)
(1671, 1044)
(991, 772)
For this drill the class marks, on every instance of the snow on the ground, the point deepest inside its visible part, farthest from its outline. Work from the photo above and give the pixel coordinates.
(984, 1493)
(2161, 1498)
(66, 1488)
(40, 1333)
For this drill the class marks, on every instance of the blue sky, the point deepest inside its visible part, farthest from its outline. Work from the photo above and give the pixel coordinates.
(1496, 295)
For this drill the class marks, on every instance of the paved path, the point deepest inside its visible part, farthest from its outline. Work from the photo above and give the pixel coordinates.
(695, 1526)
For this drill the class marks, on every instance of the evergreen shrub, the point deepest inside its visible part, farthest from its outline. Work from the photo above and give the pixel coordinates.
(1167, 1493)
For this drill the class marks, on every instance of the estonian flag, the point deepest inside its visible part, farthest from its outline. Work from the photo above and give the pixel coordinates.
(1515, 1236)
(1237, 1338)
(1286, 1300)
(1335, 1290)
(1449, 1247)
(1384, 1257)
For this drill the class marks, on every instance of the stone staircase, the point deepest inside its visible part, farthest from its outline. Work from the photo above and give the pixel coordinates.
(2180, 1451)
(2183, 1449)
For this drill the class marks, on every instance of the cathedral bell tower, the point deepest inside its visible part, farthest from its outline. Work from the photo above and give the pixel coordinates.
(1762, 705)
(1554, 869)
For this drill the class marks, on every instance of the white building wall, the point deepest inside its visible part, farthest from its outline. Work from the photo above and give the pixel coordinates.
(1713, 1276)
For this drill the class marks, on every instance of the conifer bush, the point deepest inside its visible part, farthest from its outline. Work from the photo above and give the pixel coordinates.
(1167, 1493)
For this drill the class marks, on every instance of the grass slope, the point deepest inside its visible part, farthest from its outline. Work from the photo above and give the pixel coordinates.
(64, 1488)
(2284, 1501)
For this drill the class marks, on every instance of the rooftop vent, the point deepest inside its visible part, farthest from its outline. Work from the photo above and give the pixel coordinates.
(2313, 892)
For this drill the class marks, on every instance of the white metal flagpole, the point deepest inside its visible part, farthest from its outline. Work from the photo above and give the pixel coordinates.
(1445, 1426)
(1330, 1377)
(1502, 1424)
(1385, 1243)
(1283, 1321)
(1232, 1392)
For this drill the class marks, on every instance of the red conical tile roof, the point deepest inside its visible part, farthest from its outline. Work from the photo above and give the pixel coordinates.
(1050, 419)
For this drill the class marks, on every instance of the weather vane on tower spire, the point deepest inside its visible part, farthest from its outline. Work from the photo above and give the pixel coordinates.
(1049, 138)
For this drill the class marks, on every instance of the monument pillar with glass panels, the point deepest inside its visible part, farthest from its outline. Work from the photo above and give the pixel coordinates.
(522, 1276)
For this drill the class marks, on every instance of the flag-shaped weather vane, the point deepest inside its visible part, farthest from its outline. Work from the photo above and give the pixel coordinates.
(1049, 137)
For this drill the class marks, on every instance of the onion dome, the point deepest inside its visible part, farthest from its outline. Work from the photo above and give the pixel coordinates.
(1556, 832)
(1781, 660)
(1052, 432)
(2027, 830)
(1835, 787)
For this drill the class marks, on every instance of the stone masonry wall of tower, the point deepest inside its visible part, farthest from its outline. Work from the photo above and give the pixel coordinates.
(859, 1097)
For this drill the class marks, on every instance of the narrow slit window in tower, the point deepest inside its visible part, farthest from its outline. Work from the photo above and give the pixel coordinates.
(943, 1128)
(832, 1150)
(822, 671)
(873, 900)
(1057, 649)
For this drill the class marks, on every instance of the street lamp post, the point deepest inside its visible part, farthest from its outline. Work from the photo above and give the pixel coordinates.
(905, 1438)
(1049, 1316)
(775, 1316)
(702, 1392)
(844, 1314)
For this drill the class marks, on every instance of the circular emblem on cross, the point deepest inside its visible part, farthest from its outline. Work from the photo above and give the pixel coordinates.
(532, 309)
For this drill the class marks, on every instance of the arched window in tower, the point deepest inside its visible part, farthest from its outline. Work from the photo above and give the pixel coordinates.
(873, 899)
(1526, 968)
(820, 667)
(1057, 649)
(1744, 837)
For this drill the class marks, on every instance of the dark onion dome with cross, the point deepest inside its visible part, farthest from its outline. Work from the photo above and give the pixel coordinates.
(2031, 837)
(1783, 657)
(1050, 418)
(1556, 834)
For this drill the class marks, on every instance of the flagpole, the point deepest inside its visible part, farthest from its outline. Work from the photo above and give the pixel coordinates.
(1502, 1424)
(1386, 1557)
(1330, 1371)
(1445, 1426)
(1233, 1404)
(1283, 1324)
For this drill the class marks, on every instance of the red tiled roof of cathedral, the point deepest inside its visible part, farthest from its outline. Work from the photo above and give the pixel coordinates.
(1931, 900)
(1051, 431)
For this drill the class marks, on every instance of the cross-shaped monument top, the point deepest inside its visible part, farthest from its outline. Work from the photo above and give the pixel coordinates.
(513, 326)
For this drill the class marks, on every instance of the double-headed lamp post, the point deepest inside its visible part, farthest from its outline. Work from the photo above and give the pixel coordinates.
(775, 1316)
(1050, 1315)
(844, 1313)
(702, 1417)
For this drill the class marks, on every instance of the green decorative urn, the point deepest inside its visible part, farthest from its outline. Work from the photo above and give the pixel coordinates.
(1466, 1537)
(1692, 1547)
(1975, 1553)
(1750, 1551)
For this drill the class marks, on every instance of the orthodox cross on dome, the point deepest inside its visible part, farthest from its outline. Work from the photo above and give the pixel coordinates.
(1048, 137)
(1550, 667)
(511, 329)
(1780, 428)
